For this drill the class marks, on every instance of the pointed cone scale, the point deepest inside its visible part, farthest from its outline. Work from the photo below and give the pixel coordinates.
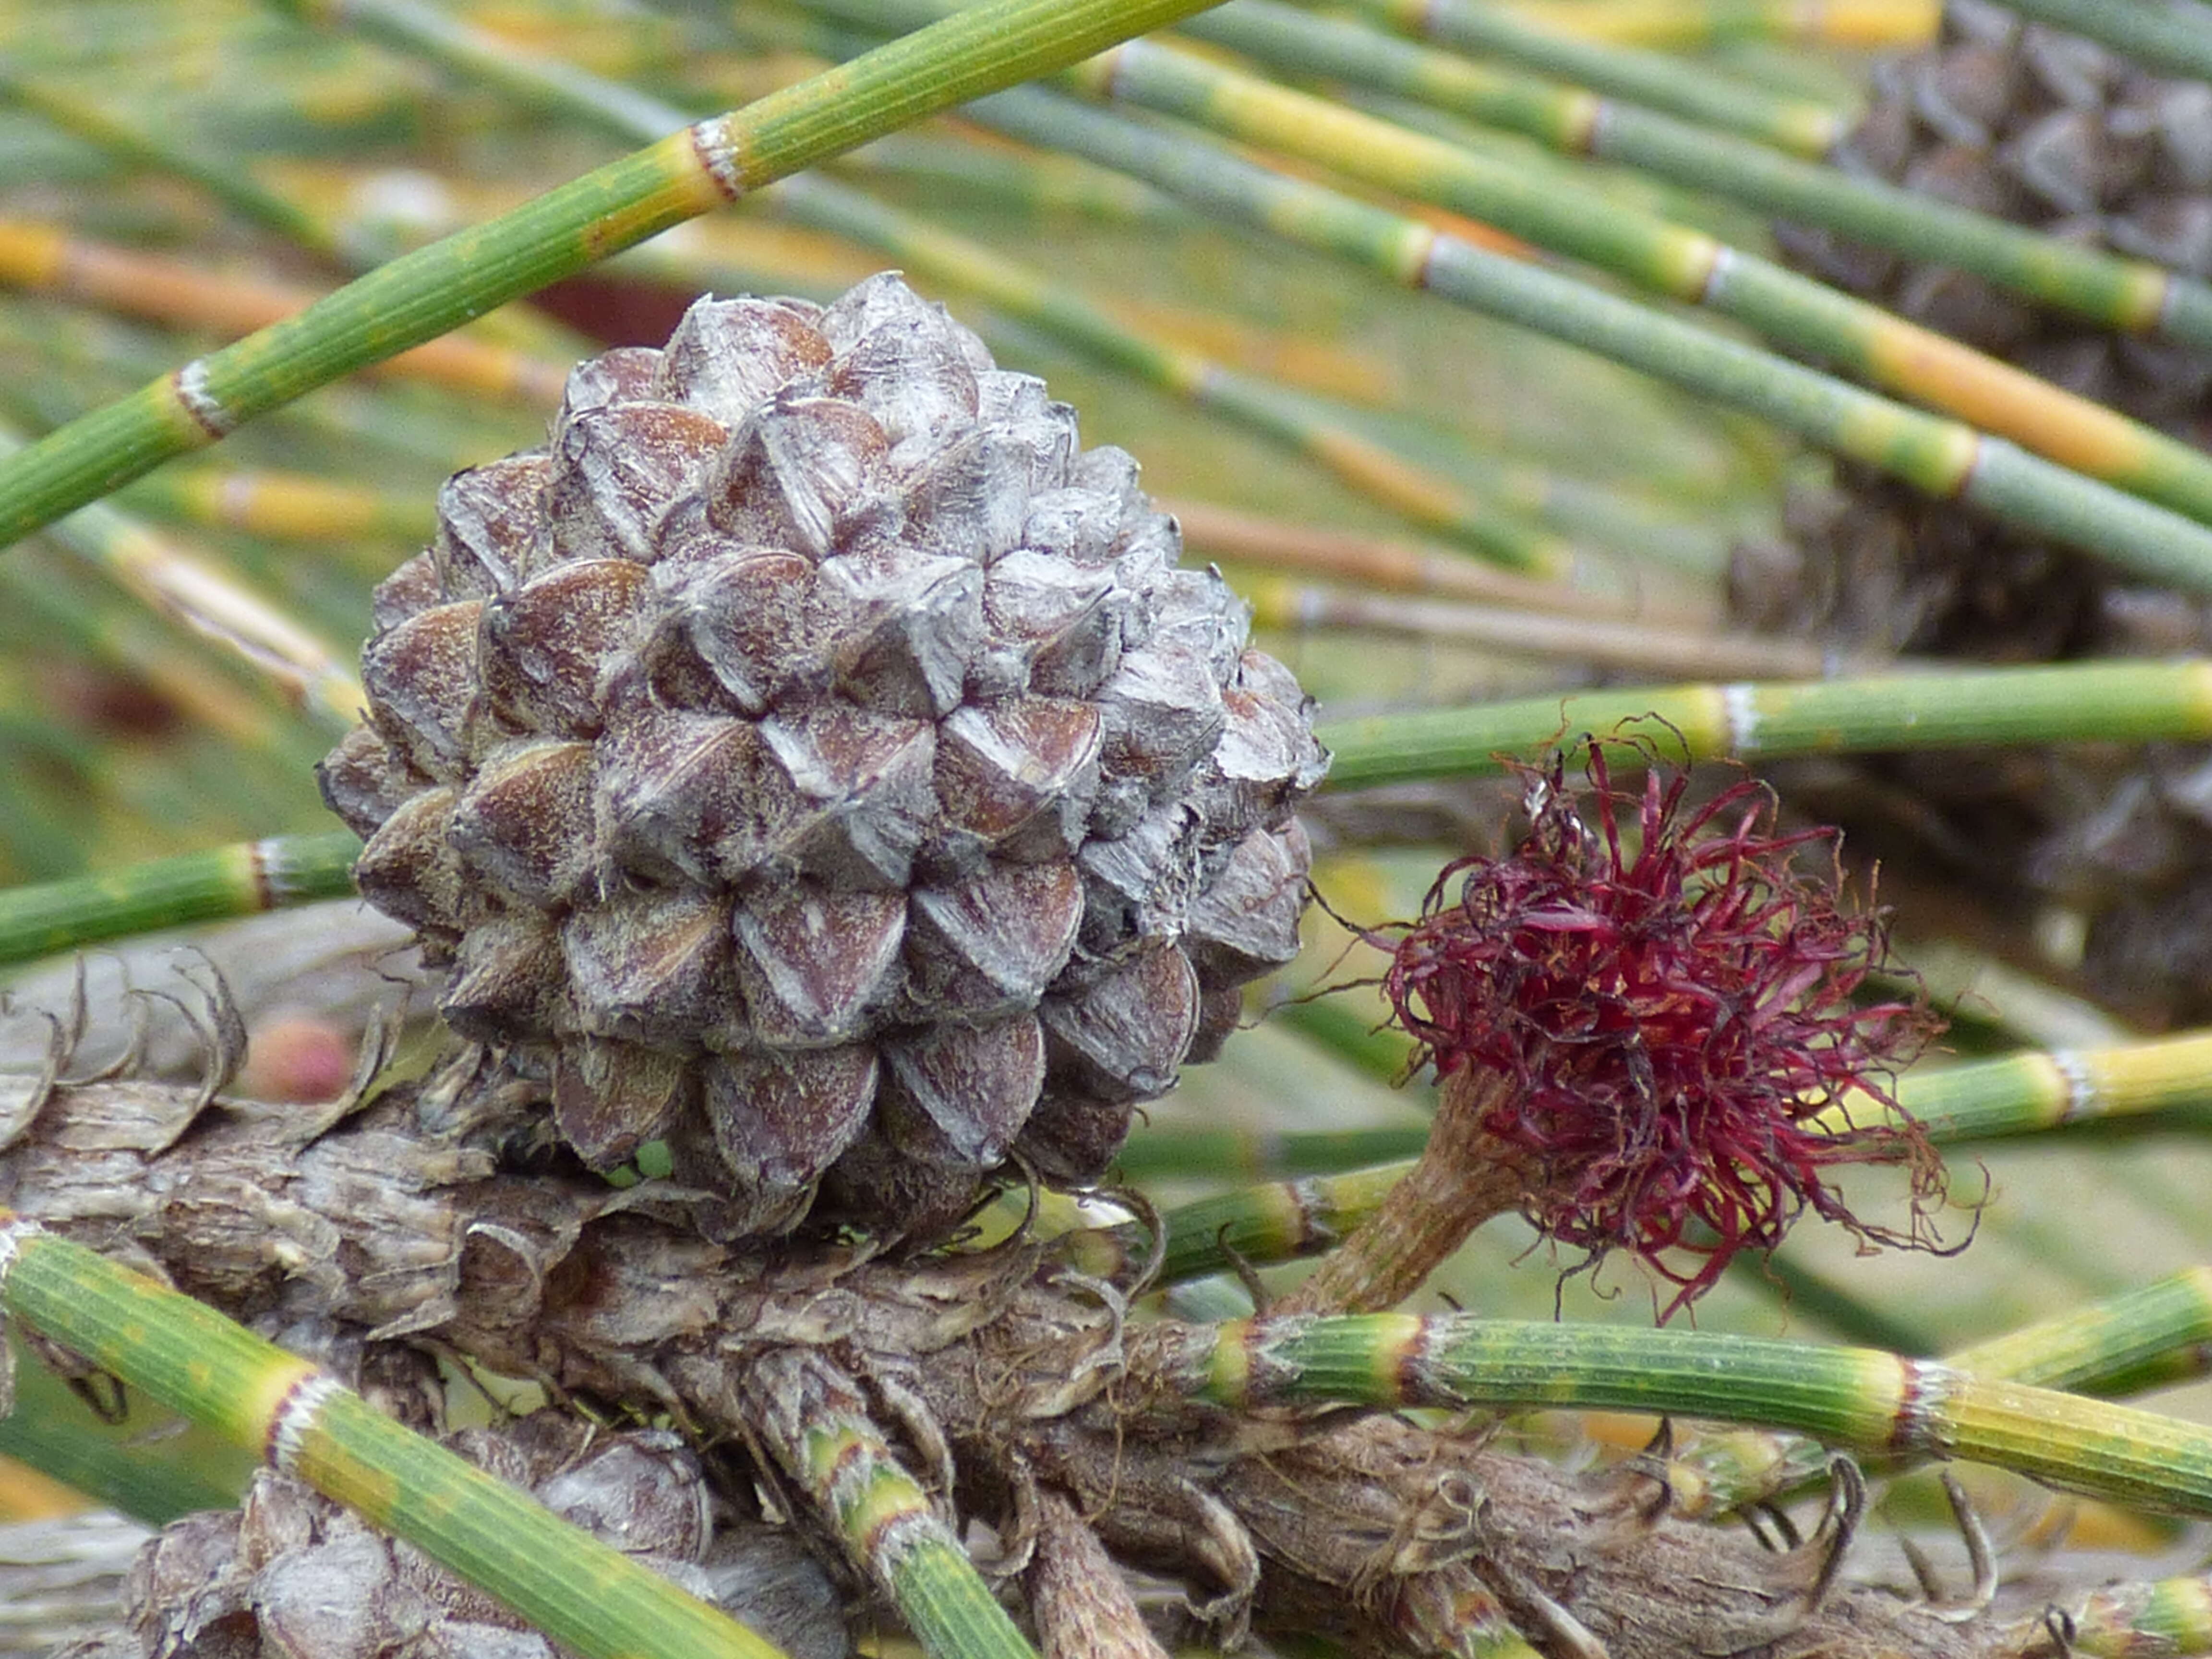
(994, 942)
(1073, 1137)
(883, 304)
(615, 471)
(407, 592)
(794, 469)
(684, 797)
(857, 794)
(780, 1120)
(524, 823)
(1124, 1036)
(901, 630)
(610, 1098)
(408, 870)
(815, 965)
(1018, 412)
(1163, 712)
(546, 645)
(1137, 886)
(728, 356)
(1267, 758)
(489, 519)
(1246, 923)
(1065, 624)
(653, 967)
(421, 677)
(966, 500)
(627, 374)
(509, 984)
(357, 782)
(736, 627)
(1017, 777)
(897, 1194)
(1072, 526)
(920, 389)
(960, 1093)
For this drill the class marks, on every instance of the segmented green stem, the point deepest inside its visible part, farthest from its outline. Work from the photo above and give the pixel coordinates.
(1023, 179)
(43, 257)
(135, 1467)
(2176, 39)
(1484, 1629)
(1979, 1100)
(2129, 295)
(1178, 1153)
(304, 1423)
(425, 294)
(119, 635)
(1938, 456)
(1636, 647)
(1860, 1399)
(1211, 530)
(1672, 260)
(1688, 24)
(295, 506)
(2120, 701)
(240, 880)
(1358, 1035)
(230, 186)
(2116, 702)
(1693, 91)
(816, 1423)
(2158, 1334)
(1325, 1195)
(209, 602)
(1423, 496)
(2020, 1094)
(1286, 1221)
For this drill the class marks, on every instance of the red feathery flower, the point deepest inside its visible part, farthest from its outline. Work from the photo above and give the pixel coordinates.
(1666, 1012)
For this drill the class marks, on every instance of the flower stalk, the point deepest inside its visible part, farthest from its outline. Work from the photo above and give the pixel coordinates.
(1464, 1177)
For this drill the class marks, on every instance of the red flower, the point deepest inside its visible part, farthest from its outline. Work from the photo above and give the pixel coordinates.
(1669, 1009)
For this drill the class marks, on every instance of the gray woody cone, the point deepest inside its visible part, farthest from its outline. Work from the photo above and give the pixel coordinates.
(815, 758)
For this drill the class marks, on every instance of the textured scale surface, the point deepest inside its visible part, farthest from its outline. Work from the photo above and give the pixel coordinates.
(815, 758)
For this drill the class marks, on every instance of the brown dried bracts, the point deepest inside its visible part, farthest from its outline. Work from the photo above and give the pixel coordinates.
(1001, 1378)
(291, 1574)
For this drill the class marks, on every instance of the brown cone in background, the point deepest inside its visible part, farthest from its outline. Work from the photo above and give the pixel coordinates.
(2032, 124)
